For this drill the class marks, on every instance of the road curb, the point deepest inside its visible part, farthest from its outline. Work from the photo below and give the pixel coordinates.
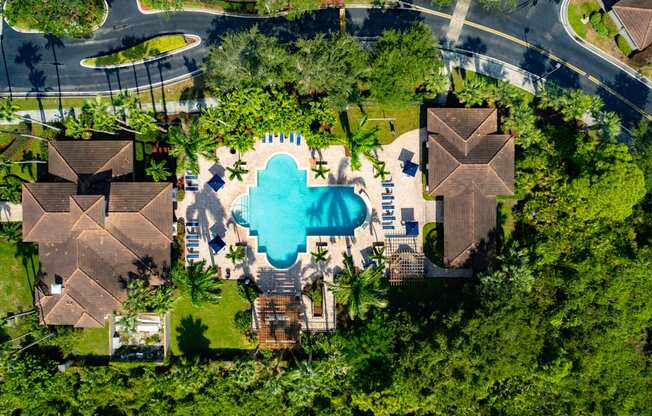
(563, 17)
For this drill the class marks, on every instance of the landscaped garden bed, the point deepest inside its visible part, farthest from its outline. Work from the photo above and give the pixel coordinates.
(75, 18)
(150, 49)
(592, 23)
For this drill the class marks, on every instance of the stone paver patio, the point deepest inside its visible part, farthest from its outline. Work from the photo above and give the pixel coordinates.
(213, 211)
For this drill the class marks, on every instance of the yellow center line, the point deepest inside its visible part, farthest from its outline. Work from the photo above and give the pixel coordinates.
(561, 61)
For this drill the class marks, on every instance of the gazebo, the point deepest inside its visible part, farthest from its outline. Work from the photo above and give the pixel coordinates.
(406, 261)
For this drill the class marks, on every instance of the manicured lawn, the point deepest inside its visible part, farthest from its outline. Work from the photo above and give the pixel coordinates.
(433, 246)
(505, 217)
(195, 330)
(148, 49)
(400, 120)
(91, 341)
(18, 268)
(216, 5)
(575, 20)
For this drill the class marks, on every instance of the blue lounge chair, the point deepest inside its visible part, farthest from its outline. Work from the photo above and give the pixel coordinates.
(291, 137)
(192, 188)
(388, 206)
(191, 177)
(388, 184)
(388, 218)
(388, 196)
(192, 223)
(192, 244)
(298, 139)
(192, 236)
(282, 137)
(388, 227)
(192, 256)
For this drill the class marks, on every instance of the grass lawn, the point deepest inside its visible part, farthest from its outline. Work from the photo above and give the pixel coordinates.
(195, 330)
(400, 120)
(148, 49)
(505, 216)
(18, 268)
(433, 244)
(91, 341)
(216, 5)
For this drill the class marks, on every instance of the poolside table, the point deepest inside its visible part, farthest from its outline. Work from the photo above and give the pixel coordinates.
(412, 228)
(410, 168)
(216, 244)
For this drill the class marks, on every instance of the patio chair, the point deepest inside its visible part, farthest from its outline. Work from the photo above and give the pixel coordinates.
(388, 218)
(192, 223)
(298, 139)
(388, 206)
(192, 256)
(291, 137)
(388, 196)
(281, 137)
(388, 227)
(192, 236)
(192, 244)
(388, 184)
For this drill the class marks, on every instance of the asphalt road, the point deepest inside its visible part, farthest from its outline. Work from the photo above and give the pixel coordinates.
(34, 63)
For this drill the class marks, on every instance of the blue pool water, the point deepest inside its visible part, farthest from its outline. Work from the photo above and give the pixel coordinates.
(281, 210)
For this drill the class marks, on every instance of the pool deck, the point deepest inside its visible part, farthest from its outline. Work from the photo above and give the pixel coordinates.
(212, 211)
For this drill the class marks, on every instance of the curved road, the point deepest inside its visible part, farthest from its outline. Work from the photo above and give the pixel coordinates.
(34, 63)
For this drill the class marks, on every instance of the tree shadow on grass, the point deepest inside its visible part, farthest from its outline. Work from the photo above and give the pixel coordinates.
(191, 338)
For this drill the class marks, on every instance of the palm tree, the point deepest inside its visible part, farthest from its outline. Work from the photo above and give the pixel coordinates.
(320, 170)
(100, 119)
(237, 170)
(77, 127)
(198, 283)
(378, 255)
(188, 147)
(362, 142)
(132, 118)
(157, 171)
(359, 290)
(380, 171)
(10, 192)
(162, 299)
(12, 232)
(319, 256)
(9, 112)
(236, 254)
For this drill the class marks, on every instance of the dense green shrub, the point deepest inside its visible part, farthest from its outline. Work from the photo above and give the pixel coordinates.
(623, 45)
(597, 23)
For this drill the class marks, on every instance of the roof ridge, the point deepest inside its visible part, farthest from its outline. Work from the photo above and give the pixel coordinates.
(489, 114)
(133, 253)
(54, 146)
(97, 283)
(447, 126)
(126, 143)
(452, 171)
(59, 302)
(494, 158)
(148, 204)
(89, 315)
(42, 213)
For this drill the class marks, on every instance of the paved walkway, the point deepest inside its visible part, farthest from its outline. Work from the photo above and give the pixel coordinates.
(456, 23)
(10, 212)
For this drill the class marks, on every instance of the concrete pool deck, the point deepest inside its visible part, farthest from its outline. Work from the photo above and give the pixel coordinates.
(213, 211)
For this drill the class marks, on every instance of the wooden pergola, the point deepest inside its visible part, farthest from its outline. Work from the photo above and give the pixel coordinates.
(406, 262)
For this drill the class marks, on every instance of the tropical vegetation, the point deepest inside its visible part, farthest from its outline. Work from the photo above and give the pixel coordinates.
(76, 18)
(148, 49)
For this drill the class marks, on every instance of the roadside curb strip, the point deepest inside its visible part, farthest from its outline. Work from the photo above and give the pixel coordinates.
(563, 16)
(34, 31)
(146, 60)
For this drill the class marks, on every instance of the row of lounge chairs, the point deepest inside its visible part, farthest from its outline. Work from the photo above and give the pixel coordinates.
(191, 183)
(387, 204)
(292, 138)
(192, 240)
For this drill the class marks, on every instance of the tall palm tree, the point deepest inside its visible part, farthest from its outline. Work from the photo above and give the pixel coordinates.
(198, 282)
(11, 231)
(380, 170)
(236, 254)
(319, 256)
(361, 142)
(157, 171)
(378, 255)
(320, 171)
(359, 290)
(237, 170)
(101, 119)
(188, 147)
(9, 112)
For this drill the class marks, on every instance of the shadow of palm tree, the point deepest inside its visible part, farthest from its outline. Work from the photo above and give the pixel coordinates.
(26, 253)
(191, 338)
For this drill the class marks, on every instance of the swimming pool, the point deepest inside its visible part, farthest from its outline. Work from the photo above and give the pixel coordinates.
(281, 210)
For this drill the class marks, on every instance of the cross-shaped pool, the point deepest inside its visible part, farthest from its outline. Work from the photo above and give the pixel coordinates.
(281, 210)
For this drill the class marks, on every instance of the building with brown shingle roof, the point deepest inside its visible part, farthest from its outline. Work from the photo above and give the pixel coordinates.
(95, 230)
(469, 164)
(636, 18)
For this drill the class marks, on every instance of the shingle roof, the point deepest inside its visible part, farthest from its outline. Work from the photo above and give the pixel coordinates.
(277, 321)
(469, 165)
(93, 252)
(636, 16)
(71, 159)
